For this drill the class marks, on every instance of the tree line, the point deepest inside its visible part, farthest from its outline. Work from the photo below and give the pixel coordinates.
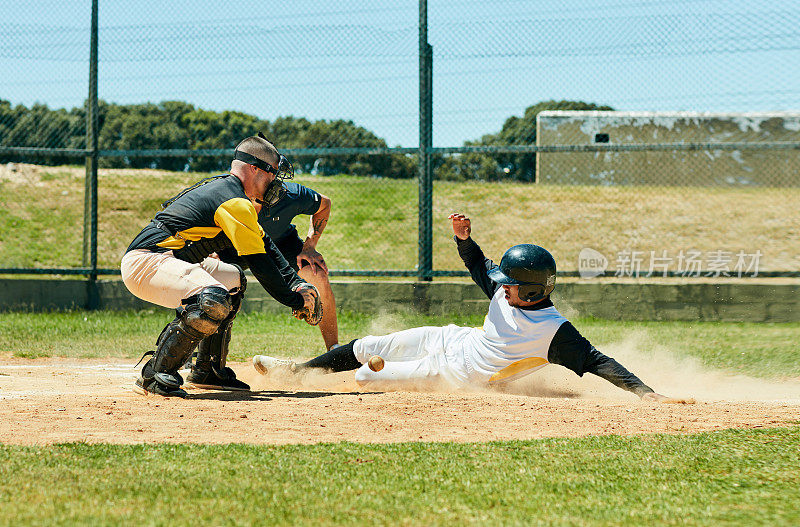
(180, 125)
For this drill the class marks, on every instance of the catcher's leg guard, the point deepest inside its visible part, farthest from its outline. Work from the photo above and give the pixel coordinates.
(199, 317)
(209, 370)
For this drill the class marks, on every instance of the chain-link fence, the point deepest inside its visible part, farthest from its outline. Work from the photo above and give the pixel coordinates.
(43, 79)
(695, 173)
(341, 89)
(645, 194)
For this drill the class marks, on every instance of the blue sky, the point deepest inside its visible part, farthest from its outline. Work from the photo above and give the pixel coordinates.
(358, 60)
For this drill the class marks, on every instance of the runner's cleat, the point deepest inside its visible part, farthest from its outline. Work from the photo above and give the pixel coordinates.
(265, 364)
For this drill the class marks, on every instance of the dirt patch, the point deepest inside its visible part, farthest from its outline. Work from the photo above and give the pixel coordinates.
(27, 174)
(21, 174)
(63, 400)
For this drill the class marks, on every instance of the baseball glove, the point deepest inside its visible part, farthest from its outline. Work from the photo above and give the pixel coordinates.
(303, 313)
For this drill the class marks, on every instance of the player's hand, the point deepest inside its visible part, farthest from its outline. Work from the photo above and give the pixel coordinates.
(462, 226)
(313, 258)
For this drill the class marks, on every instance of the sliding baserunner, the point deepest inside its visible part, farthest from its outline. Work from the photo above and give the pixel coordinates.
(522, 333)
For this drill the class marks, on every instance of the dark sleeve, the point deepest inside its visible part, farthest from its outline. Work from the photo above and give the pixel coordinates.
(570, 349)
(232, 257)
(308, 200)
(477, 264)
(276, 276)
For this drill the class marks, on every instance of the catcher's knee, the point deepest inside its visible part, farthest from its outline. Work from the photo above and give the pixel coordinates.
(206, 310)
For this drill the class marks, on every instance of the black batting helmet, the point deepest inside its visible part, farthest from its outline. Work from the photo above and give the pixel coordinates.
(530, 267)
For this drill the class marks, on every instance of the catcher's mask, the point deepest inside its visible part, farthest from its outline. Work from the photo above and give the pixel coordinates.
(530, 267)
(285, 170)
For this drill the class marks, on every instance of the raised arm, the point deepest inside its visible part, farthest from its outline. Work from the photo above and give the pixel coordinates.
(472, 255)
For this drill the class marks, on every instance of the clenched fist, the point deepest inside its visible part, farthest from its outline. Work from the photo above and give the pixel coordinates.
(462, 227)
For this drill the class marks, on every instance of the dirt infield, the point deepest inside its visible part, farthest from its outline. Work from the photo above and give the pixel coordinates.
(59, 400)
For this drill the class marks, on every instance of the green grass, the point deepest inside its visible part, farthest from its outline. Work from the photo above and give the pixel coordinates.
(85, 334)
(728, 346)
(730, 478)
(374, 221)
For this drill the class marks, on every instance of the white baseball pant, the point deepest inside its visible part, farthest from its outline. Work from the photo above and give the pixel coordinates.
(417, 356)
(164, 280)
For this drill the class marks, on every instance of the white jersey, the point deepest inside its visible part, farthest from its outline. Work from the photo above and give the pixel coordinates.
(512, 343)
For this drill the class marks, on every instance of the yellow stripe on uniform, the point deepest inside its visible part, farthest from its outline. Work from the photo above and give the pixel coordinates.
(520, 366)
(238, 219)
(191, 234)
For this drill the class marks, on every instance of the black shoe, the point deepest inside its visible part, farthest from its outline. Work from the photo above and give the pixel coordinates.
(153, 387)
(216, 380)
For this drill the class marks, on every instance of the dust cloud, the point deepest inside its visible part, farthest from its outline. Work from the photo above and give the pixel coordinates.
(666, 372)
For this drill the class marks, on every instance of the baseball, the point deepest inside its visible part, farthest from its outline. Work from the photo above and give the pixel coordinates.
(375, 363)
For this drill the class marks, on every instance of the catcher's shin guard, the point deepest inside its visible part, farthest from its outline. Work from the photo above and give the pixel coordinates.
(199, 317)
(209, 370)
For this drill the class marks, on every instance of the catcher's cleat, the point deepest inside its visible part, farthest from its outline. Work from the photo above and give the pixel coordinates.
(216, 380)
(153, 387)
(265, 364)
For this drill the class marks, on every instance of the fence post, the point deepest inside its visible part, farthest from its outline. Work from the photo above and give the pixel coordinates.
(425, 236)
(90, 184)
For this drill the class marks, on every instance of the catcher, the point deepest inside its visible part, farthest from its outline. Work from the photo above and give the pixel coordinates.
(522, 333)
(168, 264)
(293, 199)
